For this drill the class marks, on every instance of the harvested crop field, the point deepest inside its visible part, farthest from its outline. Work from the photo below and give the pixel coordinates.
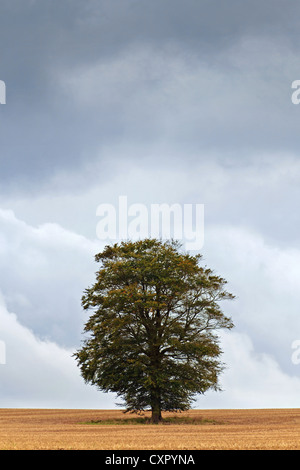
(42, 429)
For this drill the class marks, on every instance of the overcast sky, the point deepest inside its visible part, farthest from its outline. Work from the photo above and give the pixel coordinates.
(162, 101)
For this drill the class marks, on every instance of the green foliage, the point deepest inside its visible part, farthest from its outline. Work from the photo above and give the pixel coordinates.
(152, 335)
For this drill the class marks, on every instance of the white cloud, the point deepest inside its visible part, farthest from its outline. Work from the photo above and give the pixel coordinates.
(265, 279)
(251, 379)
(44, 271)
(40, 373)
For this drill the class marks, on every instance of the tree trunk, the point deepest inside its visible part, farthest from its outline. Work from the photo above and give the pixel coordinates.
(156, 410)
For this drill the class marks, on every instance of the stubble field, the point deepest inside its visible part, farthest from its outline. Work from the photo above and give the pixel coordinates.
(35, 429)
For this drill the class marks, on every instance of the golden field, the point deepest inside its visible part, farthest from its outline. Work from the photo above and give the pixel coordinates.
(43, 429)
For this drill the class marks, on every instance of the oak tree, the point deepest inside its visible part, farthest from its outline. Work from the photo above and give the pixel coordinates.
(152, 335)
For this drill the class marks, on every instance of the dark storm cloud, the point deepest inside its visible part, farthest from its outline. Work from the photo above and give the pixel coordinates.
(44, 130)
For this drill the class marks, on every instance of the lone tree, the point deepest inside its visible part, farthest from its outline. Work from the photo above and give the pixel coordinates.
(152, 336)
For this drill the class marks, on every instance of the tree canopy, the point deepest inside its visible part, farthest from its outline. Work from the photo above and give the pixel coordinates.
(152, 336)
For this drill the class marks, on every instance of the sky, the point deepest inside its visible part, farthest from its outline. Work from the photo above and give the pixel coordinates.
(164, 102)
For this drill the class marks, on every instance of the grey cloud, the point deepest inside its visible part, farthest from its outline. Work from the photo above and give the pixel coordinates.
(163, 101)
(227, 105)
